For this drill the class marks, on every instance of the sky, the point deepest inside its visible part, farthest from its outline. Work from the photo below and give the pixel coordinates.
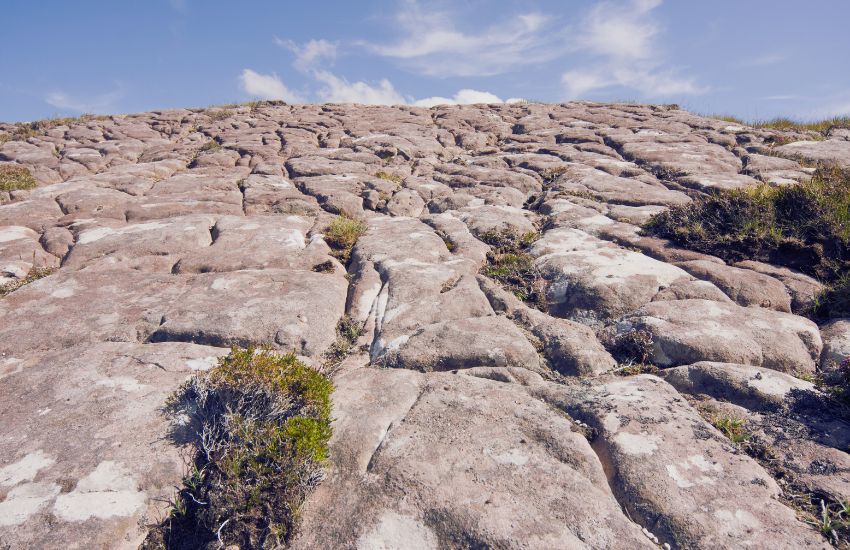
(755, 59)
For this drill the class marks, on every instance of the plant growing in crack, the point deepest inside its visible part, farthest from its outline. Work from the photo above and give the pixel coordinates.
(348, 331)
(733, 428)
(34, 274)
(509, 263)
(342, 234)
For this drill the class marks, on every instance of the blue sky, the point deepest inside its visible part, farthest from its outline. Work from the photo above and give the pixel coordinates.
(755, 59)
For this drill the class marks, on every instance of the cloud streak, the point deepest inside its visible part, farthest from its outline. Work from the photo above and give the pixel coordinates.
(97, 104)
(621, 40)
(432, 45)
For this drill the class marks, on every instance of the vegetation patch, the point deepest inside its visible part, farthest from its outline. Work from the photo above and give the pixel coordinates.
(342, 234)
(395, 178)
(782, 123)
(733, 428)
(210, 146)
(348, 331)
(34, 274)
(14, 177)
(260, 425)
(805, 227)
(509, 263)
(633, 351)
(222, 113)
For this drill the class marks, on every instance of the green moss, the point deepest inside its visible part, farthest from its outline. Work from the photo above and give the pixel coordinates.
(14, 177)
(342, 234)
(262, 423)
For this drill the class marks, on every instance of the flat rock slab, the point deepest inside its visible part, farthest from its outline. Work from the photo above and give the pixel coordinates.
(272, 306)
(589, 278)
(86, 448)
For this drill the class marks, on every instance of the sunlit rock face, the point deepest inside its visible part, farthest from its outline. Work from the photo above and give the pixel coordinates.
(471, 412)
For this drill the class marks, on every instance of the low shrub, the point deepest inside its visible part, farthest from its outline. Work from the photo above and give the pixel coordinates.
(14, 177)
(342, 234)
(632, 349)
(805, 227)
(260, 426)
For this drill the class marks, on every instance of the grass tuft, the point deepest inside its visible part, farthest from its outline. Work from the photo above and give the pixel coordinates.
(260, 423)
(210, 146)
(342, 234)
(13, 177)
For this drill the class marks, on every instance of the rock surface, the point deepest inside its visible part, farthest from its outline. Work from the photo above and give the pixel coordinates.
(465, 417)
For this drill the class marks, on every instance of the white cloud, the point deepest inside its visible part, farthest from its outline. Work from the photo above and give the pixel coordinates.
(463, 97)
(622, 37)
(340, 90)
(311, 53)
(432, 45)
(266, 86)
(103, 103)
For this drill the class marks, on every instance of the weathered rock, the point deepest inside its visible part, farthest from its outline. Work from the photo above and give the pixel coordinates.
(830, 150)
(435, 461)
(675, 474)
(744, 385)
(592, 279)
(747, 288)
(211, 226)
(87, 449)
(836, 344)
(689, 331)
(570, 348)
(271, 306)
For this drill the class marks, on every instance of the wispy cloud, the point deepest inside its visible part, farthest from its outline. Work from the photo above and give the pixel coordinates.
(310, 54)
(432, 44)
(99, 103)
(267, 86)
(621, 40)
